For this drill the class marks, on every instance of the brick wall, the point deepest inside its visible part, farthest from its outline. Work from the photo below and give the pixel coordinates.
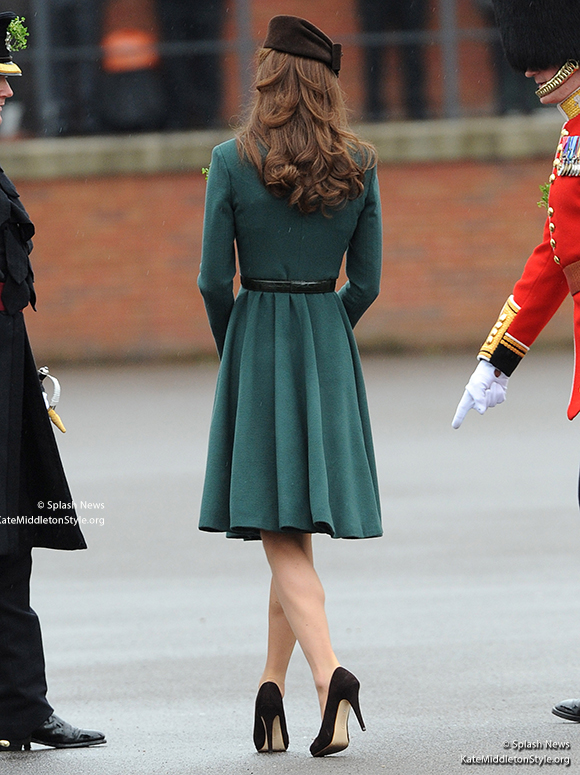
(116, 259)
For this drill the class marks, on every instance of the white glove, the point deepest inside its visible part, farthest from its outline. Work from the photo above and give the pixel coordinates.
(487, 387)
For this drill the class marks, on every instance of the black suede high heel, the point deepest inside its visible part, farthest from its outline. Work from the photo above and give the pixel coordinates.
(270, 733)
(342, 696)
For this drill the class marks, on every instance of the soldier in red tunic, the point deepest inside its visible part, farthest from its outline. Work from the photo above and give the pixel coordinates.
(542, 39)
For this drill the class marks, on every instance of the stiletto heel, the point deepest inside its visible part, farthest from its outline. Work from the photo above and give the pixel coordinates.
(270, 732)
(342, 696)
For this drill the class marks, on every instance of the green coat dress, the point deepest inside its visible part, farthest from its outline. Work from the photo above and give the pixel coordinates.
(290, 445)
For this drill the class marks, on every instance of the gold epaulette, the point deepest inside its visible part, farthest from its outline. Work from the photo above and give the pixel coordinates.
(571, 105)
(500, 338)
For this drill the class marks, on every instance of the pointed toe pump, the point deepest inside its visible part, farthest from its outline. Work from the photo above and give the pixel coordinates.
(270, 732)
(342, 696)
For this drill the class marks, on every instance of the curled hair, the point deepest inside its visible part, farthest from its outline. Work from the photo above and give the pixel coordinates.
(297, 135)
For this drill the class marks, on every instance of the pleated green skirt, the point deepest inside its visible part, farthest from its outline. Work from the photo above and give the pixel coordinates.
(290, 445)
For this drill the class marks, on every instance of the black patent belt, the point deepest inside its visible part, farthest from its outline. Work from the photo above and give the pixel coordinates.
(289, 286)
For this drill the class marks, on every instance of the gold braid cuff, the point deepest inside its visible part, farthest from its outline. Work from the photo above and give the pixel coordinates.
(557, 80)
(498, 336)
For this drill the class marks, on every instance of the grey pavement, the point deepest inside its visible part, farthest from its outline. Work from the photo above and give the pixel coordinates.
(462, 622)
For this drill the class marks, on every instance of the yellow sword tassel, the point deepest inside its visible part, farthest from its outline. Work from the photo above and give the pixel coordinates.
(56, 419)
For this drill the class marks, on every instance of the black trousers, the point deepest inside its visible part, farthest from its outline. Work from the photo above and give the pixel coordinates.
(405, 15)
(76, 90)
(23, 705)
(193, 82)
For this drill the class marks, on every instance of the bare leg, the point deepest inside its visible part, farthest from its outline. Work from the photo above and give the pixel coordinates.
(281, 642)
(301, 596)
(281, 639)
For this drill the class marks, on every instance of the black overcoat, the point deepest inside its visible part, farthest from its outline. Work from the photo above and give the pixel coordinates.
(35, 501)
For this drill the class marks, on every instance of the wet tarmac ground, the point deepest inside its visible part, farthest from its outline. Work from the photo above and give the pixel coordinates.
(462, 622)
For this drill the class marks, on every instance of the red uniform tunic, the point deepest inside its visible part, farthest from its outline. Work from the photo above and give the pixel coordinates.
(551, 272)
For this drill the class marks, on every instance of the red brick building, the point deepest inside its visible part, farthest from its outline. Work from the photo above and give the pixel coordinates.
(117, 253)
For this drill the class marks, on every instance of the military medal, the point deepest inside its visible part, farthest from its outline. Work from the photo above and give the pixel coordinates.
(570, 156)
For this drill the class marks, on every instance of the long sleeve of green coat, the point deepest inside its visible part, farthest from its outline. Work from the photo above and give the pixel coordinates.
(218, 259)
(364, 257)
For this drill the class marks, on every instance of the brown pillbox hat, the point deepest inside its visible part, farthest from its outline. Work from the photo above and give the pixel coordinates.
(293, 35)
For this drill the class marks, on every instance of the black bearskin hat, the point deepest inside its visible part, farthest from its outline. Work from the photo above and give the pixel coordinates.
(539, 34)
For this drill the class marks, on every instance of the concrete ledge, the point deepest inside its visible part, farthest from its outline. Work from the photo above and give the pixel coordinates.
(487, 138)
(516, 137)
(74, 157)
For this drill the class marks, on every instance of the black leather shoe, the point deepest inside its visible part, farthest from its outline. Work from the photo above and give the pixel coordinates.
(568, 709)
(14, 745)
(61, 734)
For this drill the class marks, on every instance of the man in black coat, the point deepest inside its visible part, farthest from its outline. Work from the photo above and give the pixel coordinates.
(32, 482)
(193, 82)
(400, 15)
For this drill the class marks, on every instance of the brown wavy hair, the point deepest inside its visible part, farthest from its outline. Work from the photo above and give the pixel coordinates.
(297, 135)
